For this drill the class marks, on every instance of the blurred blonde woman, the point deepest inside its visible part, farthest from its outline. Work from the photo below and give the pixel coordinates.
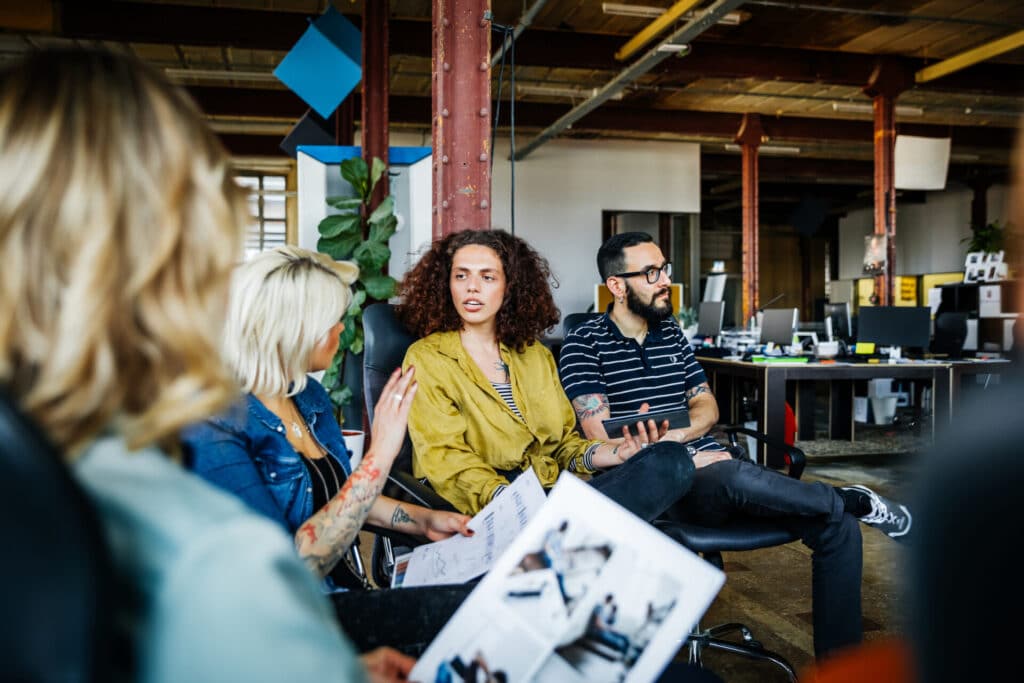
(119, 224)
(281, 449)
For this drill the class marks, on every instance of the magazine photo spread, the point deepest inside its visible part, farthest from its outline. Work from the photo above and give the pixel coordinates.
(586, 592)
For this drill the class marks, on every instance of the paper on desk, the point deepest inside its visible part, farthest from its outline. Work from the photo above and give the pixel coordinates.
(461, 558)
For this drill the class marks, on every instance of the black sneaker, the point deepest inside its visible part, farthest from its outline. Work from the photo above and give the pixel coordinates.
(891, 518)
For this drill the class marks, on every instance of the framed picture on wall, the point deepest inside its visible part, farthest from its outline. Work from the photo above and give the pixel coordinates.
(874, 254)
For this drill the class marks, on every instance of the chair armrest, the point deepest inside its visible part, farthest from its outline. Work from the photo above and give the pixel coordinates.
(420, 493)
(795, 458)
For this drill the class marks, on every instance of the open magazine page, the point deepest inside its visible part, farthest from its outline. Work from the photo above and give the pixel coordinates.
(461, 558)
(587, 592)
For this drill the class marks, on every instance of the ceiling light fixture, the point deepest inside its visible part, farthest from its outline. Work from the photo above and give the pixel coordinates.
(679, 50)
(647, 12)
(866, 108)
(780, 150)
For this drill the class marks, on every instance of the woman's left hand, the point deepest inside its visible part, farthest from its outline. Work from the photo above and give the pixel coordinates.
(440, 524)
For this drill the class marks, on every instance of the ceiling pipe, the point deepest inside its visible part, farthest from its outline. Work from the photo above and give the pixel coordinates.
(524, 21)
(882, 14)
(651, 59)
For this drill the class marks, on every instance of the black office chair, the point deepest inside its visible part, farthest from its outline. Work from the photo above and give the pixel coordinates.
(950, 334)
(384, 346)
(386, 341)
(56, 582)
(711, 542)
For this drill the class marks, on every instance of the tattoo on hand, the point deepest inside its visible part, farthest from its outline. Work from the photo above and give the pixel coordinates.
(400, 516)
(590, 405)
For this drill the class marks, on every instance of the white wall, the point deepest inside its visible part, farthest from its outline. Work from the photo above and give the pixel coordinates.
(927, 235)
(562, 188)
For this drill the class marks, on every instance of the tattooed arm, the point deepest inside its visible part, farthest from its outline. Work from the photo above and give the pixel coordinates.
(591, 409)
(324, 538)
(417, 520)
(703, 414)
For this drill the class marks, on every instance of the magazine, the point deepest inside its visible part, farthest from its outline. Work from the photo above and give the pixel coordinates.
(587, 592)
(461, 558)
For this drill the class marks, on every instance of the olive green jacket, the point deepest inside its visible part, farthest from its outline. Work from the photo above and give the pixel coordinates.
(463, 432)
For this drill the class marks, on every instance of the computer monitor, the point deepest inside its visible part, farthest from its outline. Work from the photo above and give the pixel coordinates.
(903, 326)
(709, 318)
(778, 325)
(837, 322)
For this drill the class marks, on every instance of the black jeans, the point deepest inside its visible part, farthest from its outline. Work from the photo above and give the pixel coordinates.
(651, 481)
(736, 488)
(406, 619)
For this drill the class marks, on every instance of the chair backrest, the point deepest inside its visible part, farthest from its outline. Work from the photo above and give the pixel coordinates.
(385, 341)
(56, 582)
(950, 334)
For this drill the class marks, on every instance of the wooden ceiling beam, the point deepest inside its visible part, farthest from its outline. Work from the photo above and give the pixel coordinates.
(276, 30)
(252, 102)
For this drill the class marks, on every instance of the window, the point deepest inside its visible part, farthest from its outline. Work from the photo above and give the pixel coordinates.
(267, 226)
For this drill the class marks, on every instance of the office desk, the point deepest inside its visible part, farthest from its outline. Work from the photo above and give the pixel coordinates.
(772, 378)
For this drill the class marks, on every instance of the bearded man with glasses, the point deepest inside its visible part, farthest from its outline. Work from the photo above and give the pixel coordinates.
(635, 358)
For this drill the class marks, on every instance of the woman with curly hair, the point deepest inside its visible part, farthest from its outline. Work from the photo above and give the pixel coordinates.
(490, 404)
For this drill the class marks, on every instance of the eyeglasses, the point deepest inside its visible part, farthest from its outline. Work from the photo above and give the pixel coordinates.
(653, 274)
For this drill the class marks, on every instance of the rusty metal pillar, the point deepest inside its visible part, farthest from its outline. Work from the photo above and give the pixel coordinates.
(749, 137)
(885, 84)
(376, 74)
(461, 115)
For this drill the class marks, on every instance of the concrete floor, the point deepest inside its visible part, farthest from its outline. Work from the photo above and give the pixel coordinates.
(769, 590)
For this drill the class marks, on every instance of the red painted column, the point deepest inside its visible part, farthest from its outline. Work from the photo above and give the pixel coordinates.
(461, 116)
(749, 137)
(885, 84)
(376, 75)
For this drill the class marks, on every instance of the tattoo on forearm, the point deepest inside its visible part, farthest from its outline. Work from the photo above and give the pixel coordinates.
(400, 516)
(326, 536)
(590, 405)
(697, 391)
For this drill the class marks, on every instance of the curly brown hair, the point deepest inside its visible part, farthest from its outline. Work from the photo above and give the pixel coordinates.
(527, 311)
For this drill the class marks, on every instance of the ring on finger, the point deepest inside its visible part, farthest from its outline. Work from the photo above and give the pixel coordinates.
(397, 397)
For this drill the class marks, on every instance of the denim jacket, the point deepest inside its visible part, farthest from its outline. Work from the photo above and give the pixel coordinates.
(245, 451)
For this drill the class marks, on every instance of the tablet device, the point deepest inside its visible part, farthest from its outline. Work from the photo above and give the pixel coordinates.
(678, 418)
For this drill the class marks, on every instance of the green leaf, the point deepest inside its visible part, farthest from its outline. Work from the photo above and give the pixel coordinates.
(355, 172)
(347, 336)
(382, 231)
(341, 396)
(339, 248)
(357, 343)
(384, 209)
(333, 226)
(355, 309)
(377, 169)
(380, 287)
(371, 256)
(345, 203)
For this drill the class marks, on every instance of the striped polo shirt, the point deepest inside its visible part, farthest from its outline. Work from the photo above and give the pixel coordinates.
(597, 359)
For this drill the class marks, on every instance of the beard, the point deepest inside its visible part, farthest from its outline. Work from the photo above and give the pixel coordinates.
(653, 311)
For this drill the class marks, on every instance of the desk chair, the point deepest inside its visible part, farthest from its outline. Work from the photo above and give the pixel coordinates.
(56, 584)
(711, 542)
(385, 341)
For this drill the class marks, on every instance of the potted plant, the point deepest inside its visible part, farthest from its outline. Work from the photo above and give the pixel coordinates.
(988, 238)
(356, 233)
(688, 321)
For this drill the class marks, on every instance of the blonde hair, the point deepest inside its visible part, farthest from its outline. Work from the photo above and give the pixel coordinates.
(119, 224)
(283, 304)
